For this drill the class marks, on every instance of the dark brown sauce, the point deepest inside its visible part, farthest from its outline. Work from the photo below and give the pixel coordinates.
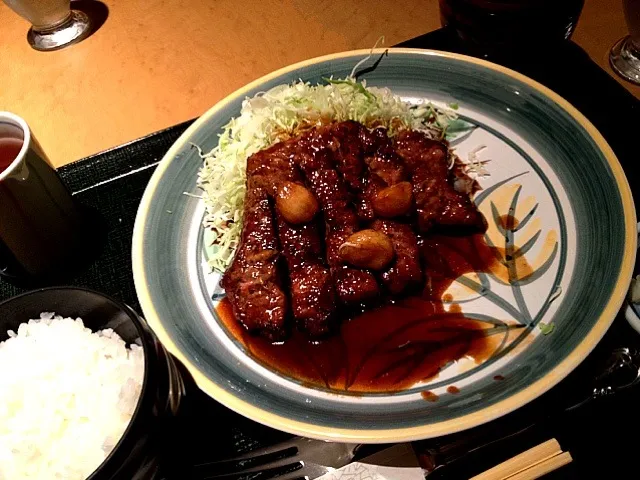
(429, 396)
(498, 378)
(394, 346)
(448, 258)
(452, 389)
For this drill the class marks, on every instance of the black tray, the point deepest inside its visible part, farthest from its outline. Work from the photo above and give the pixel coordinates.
(112, 182)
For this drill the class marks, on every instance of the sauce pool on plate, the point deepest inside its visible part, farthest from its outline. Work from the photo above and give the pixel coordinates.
(392, 347)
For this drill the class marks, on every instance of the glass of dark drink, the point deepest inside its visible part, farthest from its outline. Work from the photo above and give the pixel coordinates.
(503, 28)
(625, 54)
(41, 225)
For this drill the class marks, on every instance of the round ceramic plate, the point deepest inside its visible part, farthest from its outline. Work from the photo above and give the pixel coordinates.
(547, 305)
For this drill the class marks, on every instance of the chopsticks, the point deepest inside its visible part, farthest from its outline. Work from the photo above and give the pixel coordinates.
(529, 465)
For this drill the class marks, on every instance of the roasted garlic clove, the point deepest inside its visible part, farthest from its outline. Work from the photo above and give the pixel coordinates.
(367, 249)
(393, 201)
(296, 203)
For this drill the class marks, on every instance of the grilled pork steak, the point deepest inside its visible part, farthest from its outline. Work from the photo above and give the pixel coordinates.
(307, 197)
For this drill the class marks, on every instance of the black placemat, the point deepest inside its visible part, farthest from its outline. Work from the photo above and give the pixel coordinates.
(113, 182)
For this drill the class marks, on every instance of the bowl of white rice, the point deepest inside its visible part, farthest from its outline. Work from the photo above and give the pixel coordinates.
(86, 388)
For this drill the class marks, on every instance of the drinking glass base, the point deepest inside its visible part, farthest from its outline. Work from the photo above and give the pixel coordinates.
(625, 60)
(72, 31)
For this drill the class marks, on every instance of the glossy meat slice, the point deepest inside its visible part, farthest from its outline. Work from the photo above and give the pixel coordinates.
(274, 170)
(405, 272)
(310, 283)
(388, 192)
(349, 153)
(313, 300)
(349, 162)
(381, 158)
(353, 286)
(270, 167)
(369, 166)
(315, 157)
(253, 281)
(438, 204)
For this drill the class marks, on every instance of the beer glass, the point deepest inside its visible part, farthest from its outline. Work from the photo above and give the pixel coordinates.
(53, 23)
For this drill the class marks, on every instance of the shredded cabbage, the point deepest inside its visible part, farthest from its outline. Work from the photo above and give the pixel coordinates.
(283, 112)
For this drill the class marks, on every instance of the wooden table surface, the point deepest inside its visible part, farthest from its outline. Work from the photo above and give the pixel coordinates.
(155, 63)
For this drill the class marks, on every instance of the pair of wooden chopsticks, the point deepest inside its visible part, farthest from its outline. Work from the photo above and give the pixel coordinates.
(534, 463)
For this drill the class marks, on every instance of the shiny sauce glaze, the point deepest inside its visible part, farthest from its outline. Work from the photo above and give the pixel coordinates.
(392, 347)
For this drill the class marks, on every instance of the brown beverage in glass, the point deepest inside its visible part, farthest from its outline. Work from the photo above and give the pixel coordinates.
(9, 150)
(507, 27)
(41, 226)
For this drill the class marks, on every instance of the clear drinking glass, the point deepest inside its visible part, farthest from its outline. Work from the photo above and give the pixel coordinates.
(53, 23)
(625, 55)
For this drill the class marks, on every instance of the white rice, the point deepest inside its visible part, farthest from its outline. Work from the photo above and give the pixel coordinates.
(66, 397)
